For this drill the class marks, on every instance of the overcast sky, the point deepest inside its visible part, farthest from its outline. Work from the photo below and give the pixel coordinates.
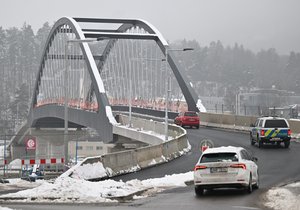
(257, 24)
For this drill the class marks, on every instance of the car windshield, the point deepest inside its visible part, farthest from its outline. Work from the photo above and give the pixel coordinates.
(190, 114)
(275, 124)
(219, 157)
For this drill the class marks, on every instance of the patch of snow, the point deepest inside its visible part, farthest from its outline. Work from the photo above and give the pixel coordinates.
(110, 115)
(296, 135)
(153, 162)
(15, 164)
(175, 180)
(200, 106)
(90, 171)
(160, 136)
(94, 68)
(2, 151)
(132, 169)
(5, 208)
(90, 56)
(67, 189)
(282, 198)
(296, 184)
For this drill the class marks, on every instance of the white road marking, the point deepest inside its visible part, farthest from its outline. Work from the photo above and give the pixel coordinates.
(244, 207)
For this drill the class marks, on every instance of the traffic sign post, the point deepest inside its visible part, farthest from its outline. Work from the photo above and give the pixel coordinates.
(205, 144)
(31, 143)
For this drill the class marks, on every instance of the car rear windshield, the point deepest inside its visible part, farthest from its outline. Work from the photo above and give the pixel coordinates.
(219, 157)
(275, 124)
(190, 114)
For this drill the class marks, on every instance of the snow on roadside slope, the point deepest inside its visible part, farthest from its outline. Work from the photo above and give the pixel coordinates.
(90, 171)
(5, 208)
(66, 189)
(286, 197)
(71, 190)
(200, 106)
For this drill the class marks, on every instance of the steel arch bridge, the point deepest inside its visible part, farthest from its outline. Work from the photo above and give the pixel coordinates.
(98, 75)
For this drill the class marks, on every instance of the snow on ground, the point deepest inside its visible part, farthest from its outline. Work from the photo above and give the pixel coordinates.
(160, 136)
(70, 190)
(110, 116)
(296, 136)
(175, 180)
(66, 189)
(4, 208)
(284, 198)
(89, 171)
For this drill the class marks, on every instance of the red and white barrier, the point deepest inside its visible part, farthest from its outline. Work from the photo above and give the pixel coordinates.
(3, 162)
(42, 161)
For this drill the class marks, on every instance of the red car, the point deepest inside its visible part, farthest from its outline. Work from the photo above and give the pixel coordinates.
(188, 118)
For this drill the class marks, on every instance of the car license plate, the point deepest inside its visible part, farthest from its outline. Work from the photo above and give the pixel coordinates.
(275, 139)
(218, 170)
(192, 120)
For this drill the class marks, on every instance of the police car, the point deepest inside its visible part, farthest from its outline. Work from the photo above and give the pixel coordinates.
(274, 130)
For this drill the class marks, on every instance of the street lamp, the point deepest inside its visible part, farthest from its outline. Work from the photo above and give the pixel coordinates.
(130, 95)
(66, 85)
(168, 86)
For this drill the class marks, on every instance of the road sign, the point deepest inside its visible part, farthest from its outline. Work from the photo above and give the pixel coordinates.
(206, 143)
(31, 143)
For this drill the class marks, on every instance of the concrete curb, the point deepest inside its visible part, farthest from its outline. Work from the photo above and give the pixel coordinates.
(128, 197)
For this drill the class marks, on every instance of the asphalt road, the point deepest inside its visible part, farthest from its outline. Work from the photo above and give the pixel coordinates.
(276, 166)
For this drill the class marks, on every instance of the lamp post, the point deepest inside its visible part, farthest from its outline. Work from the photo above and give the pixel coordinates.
(130, 86)
(168, 86)
(66, 85)
(130, 95)
(4, 155)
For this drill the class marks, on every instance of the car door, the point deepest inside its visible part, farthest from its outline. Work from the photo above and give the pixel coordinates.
(252, 165)
(246, 160)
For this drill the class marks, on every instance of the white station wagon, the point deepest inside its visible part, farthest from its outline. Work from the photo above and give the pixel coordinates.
(226, 167)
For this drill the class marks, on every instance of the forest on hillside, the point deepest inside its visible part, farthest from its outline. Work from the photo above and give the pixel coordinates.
(214, 70)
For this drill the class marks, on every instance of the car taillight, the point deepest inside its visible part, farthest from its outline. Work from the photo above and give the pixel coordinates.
(262, 132)
(239, 165)
(199, 168)
(289, 132)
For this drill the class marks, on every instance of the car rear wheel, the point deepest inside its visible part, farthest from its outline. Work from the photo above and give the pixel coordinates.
(199, 191)
(252, 140)
(180, 124)
(256, 185)
(286, 144)
(250, 187)
(260, 144)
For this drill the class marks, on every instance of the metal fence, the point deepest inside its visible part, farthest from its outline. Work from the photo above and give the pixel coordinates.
(246, 110)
